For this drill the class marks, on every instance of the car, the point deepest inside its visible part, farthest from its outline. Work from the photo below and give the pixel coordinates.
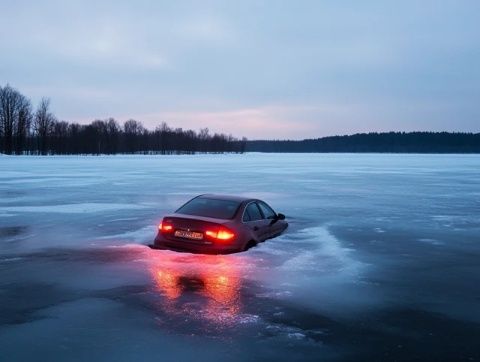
(219, 224)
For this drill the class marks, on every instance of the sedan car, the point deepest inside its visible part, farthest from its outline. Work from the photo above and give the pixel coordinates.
(219, 224)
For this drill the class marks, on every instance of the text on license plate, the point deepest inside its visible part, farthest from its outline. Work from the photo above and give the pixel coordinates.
(188, 234)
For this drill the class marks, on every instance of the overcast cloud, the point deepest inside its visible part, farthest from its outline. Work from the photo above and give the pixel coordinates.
(267, 69)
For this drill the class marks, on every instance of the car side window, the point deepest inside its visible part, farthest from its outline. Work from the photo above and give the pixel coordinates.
(246, 216)
(253, 212)
(267, 211)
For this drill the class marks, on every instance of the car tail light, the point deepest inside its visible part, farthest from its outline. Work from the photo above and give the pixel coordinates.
(165, 226)
(220, 234)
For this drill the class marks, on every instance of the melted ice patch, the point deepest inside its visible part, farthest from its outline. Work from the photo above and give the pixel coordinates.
(316, 270)
(320, 251)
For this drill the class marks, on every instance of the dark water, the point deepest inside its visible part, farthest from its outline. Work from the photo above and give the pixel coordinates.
(381, 260)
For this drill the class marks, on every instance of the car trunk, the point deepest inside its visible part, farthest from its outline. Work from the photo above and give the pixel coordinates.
(191, 229)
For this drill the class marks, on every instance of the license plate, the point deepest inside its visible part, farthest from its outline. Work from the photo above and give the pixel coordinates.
(188, 235)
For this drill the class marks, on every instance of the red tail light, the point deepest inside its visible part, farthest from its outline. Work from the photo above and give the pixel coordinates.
(165, 227)
(220, 234)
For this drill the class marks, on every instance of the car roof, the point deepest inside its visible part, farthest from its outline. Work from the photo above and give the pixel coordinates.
(225, 197)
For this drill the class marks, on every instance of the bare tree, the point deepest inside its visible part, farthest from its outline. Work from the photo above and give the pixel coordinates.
(75, 138)
(132, 129)
(43, 124)
(113, 132)
(10, 104)
(23, 126)
(162, 135)
(22, 131)
(98, 135)
(204, 137)
(59, 136)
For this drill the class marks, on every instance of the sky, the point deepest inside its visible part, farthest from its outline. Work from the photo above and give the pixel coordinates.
(259, 69)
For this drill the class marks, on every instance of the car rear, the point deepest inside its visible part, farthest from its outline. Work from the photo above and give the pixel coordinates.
(201, 234)
(206, 223)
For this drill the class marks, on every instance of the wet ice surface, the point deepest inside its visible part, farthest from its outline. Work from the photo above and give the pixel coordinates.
(381, 260)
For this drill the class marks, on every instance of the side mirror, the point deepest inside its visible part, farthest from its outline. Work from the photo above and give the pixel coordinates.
(276, 218)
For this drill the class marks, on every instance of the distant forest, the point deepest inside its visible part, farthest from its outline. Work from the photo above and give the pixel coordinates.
(391, 142)
(24, 130)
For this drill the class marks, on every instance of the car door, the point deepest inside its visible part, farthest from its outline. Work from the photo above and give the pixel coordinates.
(254, 219)
(269, 215)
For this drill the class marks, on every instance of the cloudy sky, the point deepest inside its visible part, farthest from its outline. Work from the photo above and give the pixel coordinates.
(260, 69)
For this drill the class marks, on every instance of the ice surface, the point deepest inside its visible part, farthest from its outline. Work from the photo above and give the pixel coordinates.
(382, 251)
(71, 208)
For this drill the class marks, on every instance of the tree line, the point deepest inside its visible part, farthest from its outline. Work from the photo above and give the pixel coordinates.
(24, 130)
(388, 142)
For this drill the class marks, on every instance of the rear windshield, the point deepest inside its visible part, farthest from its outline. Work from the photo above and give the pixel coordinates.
(218, 209)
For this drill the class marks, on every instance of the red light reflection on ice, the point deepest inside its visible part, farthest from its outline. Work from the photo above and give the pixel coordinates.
(209, 283)
(167, 282)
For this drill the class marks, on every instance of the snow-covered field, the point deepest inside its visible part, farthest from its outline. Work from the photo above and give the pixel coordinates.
(381, 260)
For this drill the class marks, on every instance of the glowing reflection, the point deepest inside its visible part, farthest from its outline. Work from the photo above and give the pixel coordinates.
(168, 283)
(205, 287)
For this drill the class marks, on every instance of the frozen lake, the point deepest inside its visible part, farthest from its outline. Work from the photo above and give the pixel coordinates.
(381, 260)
